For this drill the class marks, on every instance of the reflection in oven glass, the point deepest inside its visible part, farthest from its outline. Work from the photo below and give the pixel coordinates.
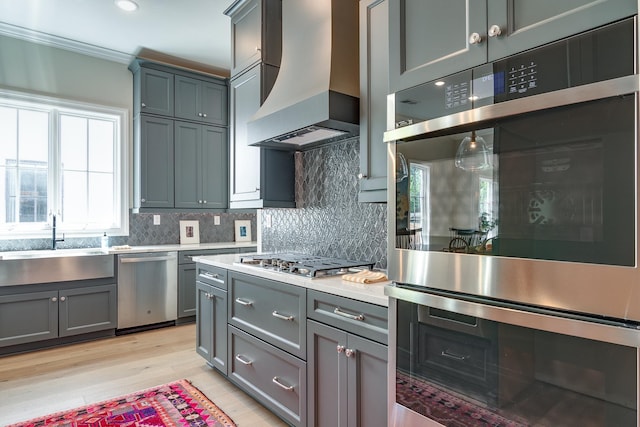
(461, 371)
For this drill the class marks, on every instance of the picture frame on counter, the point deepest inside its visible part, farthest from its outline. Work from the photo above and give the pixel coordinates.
(189, 232)
(243, 230)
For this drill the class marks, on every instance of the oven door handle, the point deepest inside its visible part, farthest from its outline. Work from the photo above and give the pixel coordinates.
(488, 113)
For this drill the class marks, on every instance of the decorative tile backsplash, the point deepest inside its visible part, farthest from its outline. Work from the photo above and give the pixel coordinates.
(329, 220)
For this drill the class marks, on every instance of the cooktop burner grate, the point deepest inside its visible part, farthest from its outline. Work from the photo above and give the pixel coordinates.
(304, 265)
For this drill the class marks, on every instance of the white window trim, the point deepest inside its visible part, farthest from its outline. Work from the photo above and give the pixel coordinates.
(121, 172)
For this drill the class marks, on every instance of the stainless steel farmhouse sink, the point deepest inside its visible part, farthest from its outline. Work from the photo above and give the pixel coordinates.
(46, 266)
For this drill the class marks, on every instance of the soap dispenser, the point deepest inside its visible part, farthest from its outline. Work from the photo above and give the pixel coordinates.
(104, 244)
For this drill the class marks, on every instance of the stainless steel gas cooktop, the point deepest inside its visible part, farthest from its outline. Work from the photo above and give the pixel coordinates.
(305, 265)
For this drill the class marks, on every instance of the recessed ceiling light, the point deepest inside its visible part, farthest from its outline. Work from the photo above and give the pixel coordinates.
(127, 5)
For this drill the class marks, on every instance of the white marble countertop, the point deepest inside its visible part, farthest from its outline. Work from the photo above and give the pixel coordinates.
(372, 293)
(48, 253)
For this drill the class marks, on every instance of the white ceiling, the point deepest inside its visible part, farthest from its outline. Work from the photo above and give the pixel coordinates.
(195, 31)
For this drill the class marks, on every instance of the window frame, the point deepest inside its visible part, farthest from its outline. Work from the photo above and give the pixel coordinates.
(56, 106)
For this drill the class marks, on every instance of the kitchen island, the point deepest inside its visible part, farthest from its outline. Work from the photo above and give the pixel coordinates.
(311, 350)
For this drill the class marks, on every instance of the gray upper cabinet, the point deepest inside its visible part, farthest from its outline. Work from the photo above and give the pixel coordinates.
(374, 87)
(153, 91)
(200, 100)
(259, 177)
(200, 166)
(433, 38)
(153, 162)
(256, 33)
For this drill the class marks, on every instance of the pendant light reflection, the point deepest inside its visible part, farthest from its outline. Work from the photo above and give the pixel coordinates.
(472, 154)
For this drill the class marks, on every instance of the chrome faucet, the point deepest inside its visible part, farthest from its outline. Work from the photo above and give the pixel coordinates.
(54, 241)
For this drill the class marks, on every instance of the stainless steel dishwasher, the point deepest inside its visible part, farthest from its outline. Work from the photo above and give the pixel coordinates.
(147, 288)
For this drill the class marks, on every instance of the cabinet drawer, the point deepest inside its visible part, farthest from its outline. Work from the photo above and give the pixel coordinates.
(361, 318)
(214, 276)
(273, 311)
(272, 376)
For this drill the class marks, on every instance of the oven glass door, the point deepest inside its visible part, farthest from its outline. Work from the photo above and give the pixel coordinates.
(556, 184)
(463, 370)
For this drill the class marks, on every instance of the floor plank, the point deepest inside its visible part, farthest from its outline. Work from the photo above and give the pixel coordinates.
(41, 382)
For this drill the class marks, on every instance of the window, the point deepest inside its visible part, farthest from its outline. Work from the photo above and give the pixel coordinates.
(419, 199)
(63, 158)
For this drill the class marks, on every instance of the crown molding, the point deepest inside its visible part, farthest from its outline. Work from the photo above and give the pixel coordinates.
(64, 43)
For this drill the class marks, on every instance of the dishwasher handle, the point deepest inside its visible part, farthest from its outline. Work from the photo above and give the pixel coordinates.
(147, 259)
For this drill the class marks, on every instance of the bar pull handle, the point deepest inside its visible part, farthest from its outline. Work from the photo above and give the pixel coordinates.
(282, 316)
(214, 277)
(358, 317)
(244, 302)
(242, 359)
(454, 356)
(277, 382)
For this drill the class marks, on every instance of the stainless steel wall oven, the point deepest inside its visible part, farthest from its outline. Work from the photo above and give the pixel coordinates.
(513, 236)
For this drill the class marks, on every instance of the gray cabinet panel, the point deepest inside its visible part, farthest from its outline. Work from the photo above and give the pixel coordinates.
(200, 166)
(526, 24)
(212, 275)
(374, 87)
(273, 311)
(275, 378)
(371, 320)
(155, 92)
(326, 376)
(83, 310)
(214, 104)
(153, 156)
(347, 378)
(187, 98)
(367, 384)
(186, 290)
(430, 39)
(211, 325)
(28, 317)
(200, 100)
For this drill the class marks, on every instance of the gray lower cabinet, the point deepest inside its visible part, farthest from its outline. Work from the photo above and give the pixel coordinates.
(374, 87)
(430, 39)
(211, 325)
(41, 315)
(153, 158)
(347, 378)
(187, 277)
(201, 177)
(272, 376)
(272, 311)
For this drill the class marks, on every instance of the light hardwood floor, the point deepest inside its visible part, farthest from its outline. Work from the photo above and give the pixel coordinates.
(41, 382)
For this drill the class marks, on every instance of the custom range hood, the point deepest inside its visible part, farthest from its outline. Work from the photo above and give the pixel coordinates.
(315, 98)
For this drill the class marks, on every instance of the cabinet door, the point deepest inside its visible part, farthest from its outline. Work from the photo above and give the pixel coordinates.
(154, 163)
(429, 39)
(367, 384)
(156, 92)
(374, 87)
(28, 317)
(211, 325)
(215, 175)
(89, 309)
(327, 376)
(214, 105)
(188, 165)
(527, 24)
(244, 159)
(186, 290)
(188, 93)
(246, 36)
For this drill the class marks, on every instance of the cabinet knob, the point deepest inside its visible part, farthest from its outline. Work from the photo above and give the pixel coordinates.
(350, 352)
(494, 31)
(204, 201)
(340, 348)
(362, 176)
(200, 201)
(54, 299)
(199, 114)
(204, 114)
(143, 105)
(475, 38)
(63, 299)
(143, 200)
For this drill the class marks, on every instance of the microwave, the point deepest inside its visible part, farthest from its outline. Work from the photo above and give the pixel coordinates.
(518, 180)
